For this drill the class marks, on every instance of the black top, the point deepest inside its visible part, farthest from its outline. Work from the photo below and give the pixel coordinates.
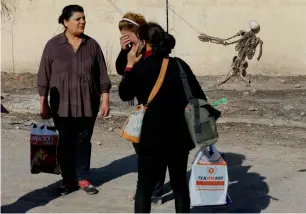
(121, 61)
(74, 79)
(164, 127)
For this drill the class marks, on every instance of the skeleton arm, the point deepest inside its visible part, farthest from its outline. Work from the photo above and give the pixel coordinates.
(260, 42)
(230, 43)
(205, 38)
(240, 33)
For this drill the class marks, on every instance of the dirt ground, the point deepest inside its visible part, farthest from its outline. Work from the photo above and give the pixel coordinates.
(266, 163)
(267, 168)
(268, 97)
(26, 82)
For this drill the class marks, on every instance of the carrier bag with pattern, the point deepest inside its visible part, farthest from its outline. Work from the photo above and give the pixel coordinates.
(44, 140)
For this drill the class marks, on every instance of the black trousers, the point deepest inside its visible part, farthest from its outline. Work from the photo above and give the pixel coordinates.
(149, 171)
(74, 147)
(159, 186)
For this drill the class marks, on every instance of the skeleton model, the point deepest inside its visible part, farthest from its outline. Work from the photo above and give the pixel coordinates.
(246, 47)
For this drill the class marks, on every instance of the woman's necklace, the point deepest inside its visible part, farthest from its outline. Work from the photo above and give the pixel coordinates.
(76, 43)
(74, 48)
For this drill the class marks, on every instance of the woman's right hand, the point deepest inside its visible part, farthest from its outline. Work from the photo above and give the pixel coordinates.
(45, 111)
(132, 57)
(124, 41)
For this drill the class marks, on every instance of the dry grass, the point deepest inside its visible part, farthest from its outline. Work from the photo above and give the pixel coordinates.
(108, 54)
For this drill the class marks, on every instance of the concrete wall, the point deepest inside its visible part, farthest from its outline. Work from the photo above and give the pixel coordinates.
(282, 30)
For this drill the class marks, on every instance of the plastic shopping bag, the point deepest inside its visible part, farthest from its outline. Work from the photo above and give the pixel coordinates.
(209, 179)
(44, 141)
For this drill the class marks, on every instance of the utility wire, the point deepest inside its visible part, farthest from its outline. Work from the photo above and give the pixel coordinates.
(167, 15)
(183, 19)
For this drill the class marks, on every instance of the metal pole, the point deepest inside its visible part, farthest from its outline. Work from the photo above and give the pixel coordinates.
(167, 10)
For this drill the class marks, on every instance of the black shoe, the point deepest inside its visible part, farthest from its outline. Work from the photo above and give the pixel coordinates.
(157, 200)
(65, 190)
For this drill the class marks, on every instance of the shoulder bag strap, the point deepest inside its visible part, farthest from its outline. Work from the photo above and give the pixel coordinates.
(160, 79)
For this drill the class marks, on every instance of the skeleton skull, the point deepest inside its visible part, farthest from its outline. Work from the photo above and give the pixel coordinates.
(254, 25)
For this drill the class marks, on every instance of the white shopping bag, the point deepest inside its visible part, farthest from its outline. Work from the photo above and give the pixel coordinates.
(209, 179)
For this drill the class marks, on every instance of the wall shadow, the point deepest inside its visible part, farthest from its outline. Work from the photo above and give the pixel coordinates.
(99, 176)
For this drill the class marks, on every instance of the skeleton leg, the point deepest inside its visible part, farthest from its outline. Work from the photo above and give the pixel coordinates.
(243, 74)
(227, 77)
(245, 78)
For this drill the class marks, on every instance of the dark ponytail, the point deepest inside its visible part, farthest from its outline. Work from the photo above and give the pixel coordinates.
(161, 42)
(169, 44)
(68, 12)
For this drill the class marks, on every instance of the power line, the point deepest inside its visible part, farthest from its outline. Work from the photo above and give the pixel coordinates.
(183, 19)
(167, 15)
(115, 7)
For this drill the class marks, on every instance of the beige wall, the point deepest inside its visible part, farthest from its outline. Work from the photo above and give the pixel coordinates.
(282, 30)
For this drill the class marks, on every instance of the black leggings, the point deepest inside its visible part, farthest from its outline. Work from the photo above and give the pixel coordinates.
(149, 171)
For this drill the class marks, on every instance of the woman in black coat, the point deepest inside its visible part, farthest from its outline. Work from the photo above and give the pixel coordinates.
(165, 139)
(129, 27)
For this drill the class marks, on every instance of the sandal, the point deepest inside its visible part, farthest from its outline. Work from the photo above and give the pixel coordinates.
(88, 187)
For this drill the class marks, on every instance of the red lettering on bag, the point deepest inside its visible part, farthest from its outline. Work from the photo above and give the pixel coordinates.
(44, 139)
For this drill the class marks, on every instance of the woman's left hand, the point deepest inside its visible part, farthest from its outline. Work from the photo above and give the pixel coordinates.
(132, 58)
(105, 109)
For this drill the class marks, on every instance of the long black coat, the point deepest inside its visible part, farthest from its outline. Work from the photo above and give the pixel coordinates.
(164, 127)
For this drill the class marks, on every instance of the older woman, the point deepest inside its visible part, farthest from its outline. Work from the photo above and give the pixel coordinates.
(73, 71)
